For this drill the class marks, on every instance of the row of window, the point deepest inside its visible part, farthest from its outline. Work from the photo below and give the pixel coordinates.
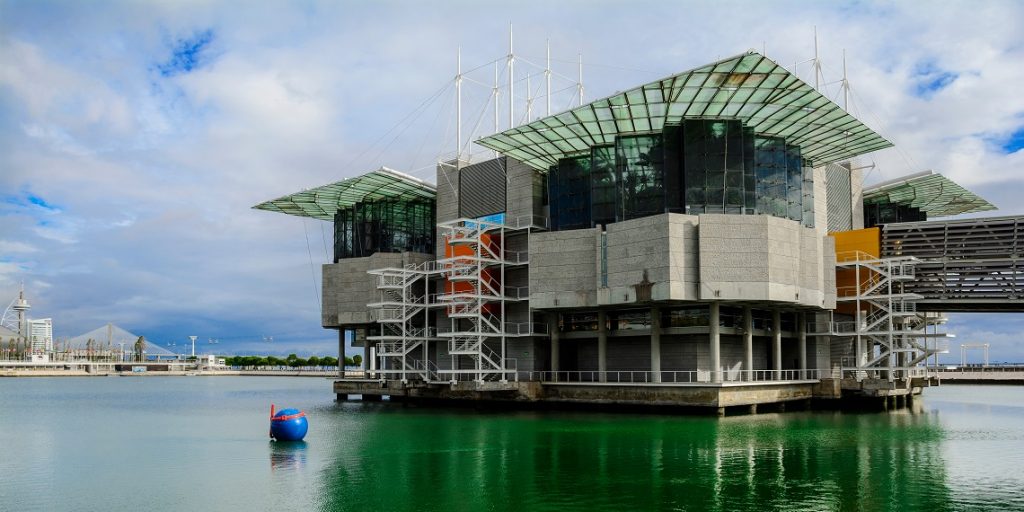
(687, 316)
(700, 166)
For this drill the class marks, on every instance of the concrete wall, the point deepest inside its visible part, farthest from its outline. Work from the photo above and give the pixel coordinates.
(661, 249)
(563, 269)
(761, 258)
(684, 258)
(348, 288)
(524, 193)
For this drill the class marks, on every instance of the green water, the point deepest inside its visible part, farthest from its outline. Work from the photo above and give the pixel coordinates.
(200, 443)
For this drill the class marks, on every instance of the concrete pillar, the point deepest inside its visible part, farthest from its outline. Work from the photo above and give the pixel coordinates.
(655, 345)
(720, 411)
(777, 344)
(602, 346)
(367, 358)
(748, 343)
(752, 409)
(801, 339)
(713, 340)
(342, 334)
(555, 337)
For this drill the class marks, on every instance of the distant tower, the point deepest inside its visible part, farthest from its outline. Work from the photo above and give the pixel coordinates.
(20, 307)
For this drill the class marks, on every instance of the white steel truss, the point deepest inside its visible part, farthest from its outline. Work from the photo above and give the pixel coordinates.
(403, 314)
(891, 338)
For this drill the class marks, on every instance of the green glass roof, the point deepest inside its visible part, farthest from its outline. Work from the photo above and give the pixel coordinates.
(322, 202)
(750, 87)
(930, 192)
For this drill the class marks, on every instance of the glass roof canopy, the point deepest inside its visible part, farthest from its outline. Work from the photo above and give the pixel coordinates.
(750, 87)
(930, 192)
(324, 201)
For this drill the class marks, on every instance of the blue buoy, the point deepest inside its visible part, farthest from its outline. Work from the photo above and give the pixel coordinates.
(288, 424)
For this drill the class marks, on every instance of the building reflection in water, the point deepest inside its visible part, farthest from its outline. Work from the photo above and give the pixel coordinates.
(466, 460)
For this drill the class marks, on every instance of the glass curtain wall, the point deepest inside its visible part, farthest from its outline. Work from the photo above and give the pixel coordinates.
(384, 226)
(700, 166)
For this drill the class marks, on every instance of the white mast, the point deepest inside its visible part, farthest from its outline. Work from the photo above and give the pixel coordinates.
(817, 63)
(846, 85)
(579, 84)
(495, 93)
(511, 81)
(529, 100)
(547, 77)
(458, 108)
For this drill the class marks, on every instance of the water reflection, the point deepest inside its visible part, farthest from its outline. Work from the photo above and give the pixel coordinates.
(287, 455)
(460, 460)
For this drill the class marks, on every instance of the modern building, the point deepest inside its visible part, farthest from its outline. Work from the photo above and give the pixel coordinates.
(701, 240)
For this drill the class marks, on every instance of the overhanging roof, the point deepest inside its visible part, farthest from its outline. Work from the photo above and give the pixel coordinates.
(750, 87)
(322, 202)
(932, 193)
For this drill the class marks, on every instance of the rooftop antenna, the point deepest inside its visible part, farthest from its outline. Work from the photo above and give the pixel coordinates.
(458, 108)
(817, 63)
(511, 81)
(529, 100)
(495, 96)
(846, 85)
(547, 77)
(579, 84)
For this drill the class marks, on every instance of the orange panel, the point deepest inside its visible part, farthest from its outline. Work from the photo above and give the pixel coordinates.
(467, 250)
(848, 243)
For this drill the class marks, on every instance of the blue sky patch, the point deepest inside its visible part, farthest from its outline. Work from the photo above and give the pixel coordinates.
(1015, 142)
(187, 54)
(929, 79)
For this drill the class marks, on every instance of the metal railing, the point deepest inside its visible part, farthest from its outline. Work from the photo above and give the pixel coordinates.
(676, 377)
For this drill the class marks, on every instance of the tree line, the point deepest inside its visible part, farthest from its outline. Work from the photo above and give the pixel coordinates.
(292, 360)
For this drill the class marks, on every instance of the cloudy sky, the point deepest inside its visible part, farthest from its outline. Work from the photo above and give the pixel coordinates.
(136, 136)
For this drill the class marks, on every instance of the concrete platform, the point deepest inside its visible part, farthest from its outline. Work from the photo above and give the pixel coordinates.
(710, 397)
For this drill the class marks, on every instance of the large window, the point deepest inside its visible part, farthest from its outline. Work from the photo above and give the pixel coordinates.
(715, 155)
(569, 193)
(384, 226)
(603, 188)
(639, 161)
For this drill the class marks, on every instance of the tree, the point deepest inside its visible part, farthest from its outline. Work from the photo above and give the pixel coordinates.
(357, 360)
(313, 361)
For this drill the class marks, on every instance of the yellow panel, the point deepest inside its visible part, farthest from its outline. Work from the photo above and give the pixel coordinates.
(868, 241)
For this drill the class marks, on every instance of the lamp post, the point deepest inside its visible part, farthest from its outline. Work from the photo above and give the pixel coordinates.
(193, 338)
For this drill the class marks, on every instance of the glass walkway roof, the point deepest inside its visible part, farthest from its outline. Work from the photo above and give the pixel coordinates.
(322, 202)
(930, 192)
(750, 87)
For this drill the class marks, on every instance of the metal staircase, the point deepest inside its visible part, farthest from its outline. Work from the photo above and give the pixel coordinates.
(475, 298)
(404, 321)
(890, 337)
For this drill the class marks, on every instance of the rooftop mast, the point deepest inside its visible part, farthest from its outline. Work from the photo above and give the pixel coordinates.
(458, 108)
(547, 77)
(579, 84)
(511, 81)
